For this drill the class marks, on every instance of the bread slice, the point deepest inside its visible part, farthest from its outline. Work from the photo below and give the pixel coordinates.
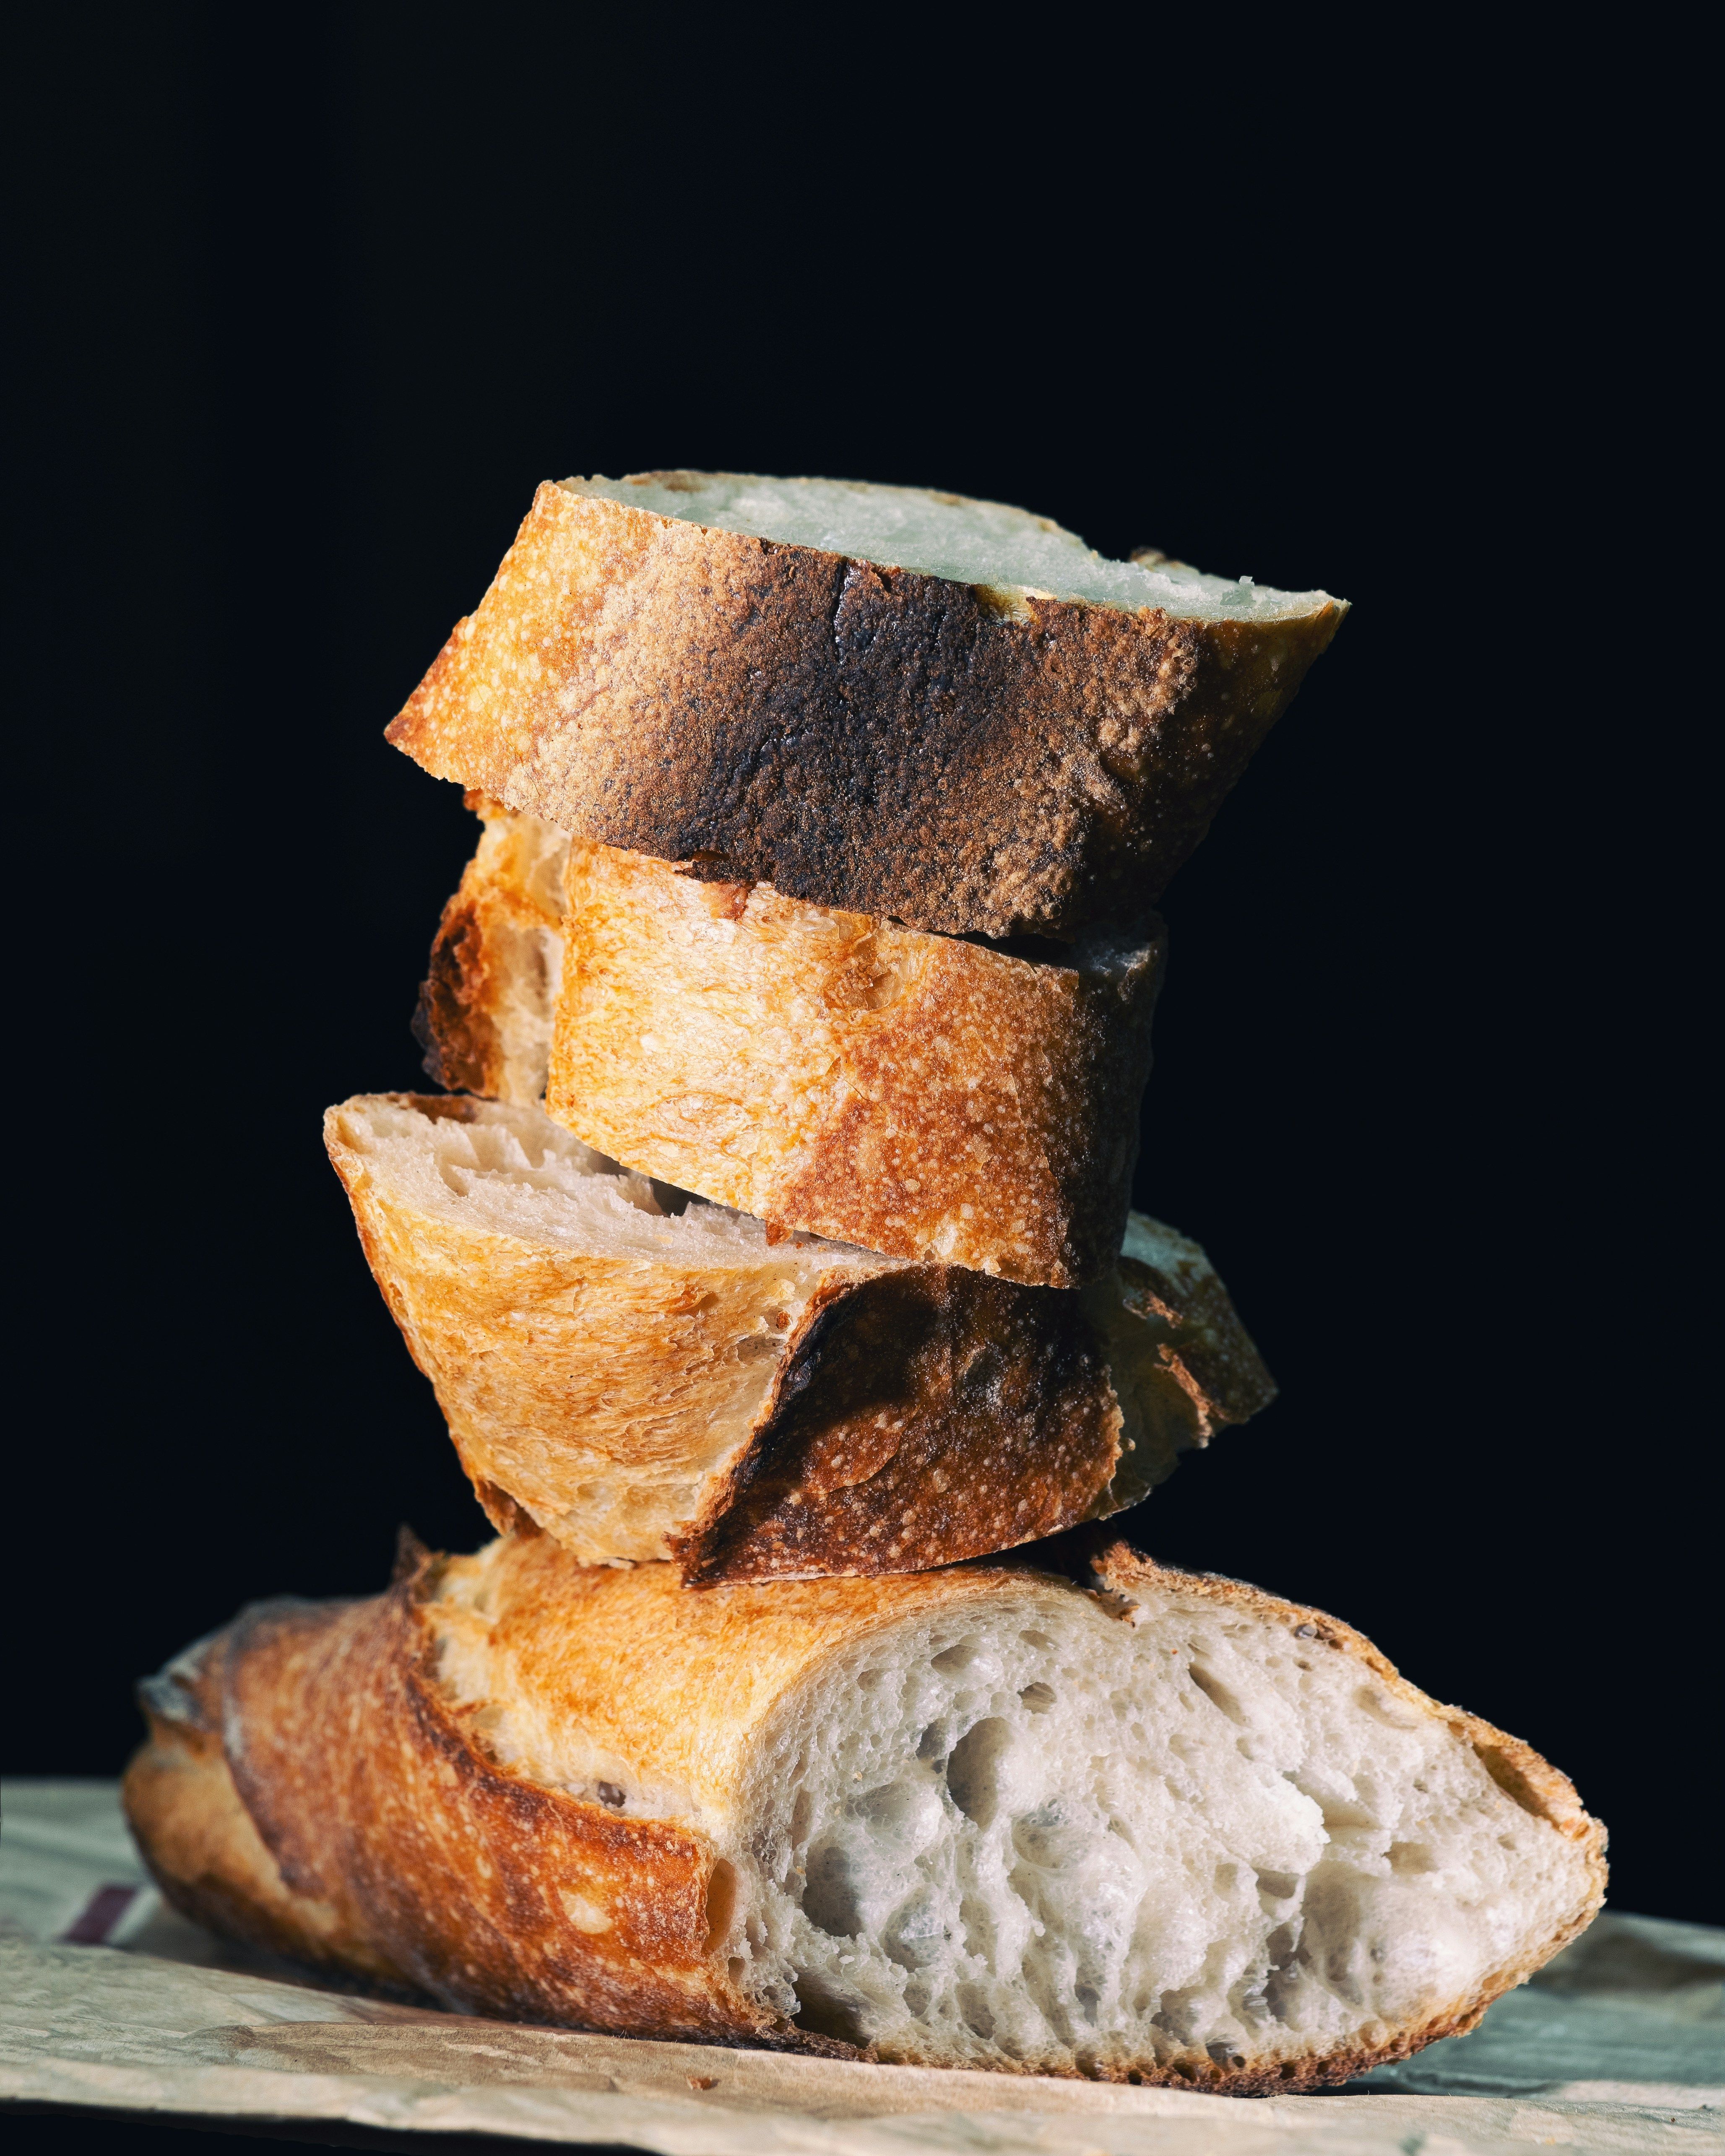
(1175, 1831)
(487, 1004)
(919, 1094)
(922, 1095)
(642, 1382)
(903, 703)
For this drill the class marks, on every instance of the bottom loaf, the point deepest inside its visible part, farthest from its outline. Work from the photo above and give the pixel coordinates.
(1169, 1828)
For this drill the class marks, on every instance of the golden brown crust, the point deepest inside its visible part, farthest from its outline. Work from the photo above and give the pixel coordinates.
(475, 1887)
(365, 1829)
(758, 1422)
(873, 738)
(913, 1094)
(202, 1847)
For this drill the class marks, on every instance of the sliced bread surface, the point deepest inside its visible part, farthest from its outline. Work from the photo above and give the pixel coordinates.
(644, 1377)
(917, 1095)
(1175, 1830)
(947, 713)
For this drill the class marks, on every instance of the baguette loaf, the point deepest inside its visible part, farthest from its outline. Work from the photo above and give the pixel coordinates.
(901, 703)
(643, 1382)
(1175, 1831)
(916, 1094)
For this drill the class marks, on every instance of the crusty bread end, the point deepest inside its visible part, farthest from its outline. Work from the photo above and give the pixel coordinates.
(1175, 1831)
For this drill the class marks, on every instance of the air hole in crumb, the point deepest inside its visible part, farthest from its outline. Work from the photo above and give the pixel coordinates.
(1385, 1709)
(1036, 1640)
(721, 1904)
(1039, 1698)
(1214, 1690)
(951, 1659)
(1507, 1774)
(974, 2006)
(973, 1770)
(609, 1793)
(824, 2013)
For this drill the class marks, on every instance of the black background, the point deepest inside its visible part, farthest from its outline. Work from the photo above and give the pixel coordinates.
(316, 298)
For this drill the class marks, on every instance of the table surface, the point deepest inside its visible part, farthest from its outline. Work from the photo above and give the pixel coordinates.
(111, 2002)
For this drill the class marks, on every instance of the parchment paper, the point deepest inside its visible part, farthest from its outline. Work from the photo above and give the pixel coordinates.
(110, 2002)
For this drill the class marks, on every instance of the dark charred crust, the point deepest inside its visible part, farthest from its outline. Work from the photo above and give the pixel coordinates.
(873, 738)
(955, 1415)
(450, 1023)
(716, 868)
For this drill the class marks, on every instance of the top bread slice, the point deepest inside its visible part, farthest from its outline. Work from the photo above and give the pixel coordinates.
(1174, 1830)
(945, 712)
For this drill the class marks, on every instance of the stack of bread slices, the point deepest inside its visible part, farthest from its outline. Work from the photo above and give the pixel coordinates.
(769, 1249)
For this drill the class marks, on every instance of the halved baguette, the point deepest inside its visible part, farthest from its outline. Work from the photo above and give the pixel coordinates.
(1176, 1830)
(916, 1094)
(642, 1383)
(951, 713)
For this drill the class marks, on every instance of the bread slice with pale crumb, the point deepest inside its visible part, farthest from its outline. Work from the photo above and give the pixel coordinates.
(644, 1377)
(1172, 1831)
(906, 704)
